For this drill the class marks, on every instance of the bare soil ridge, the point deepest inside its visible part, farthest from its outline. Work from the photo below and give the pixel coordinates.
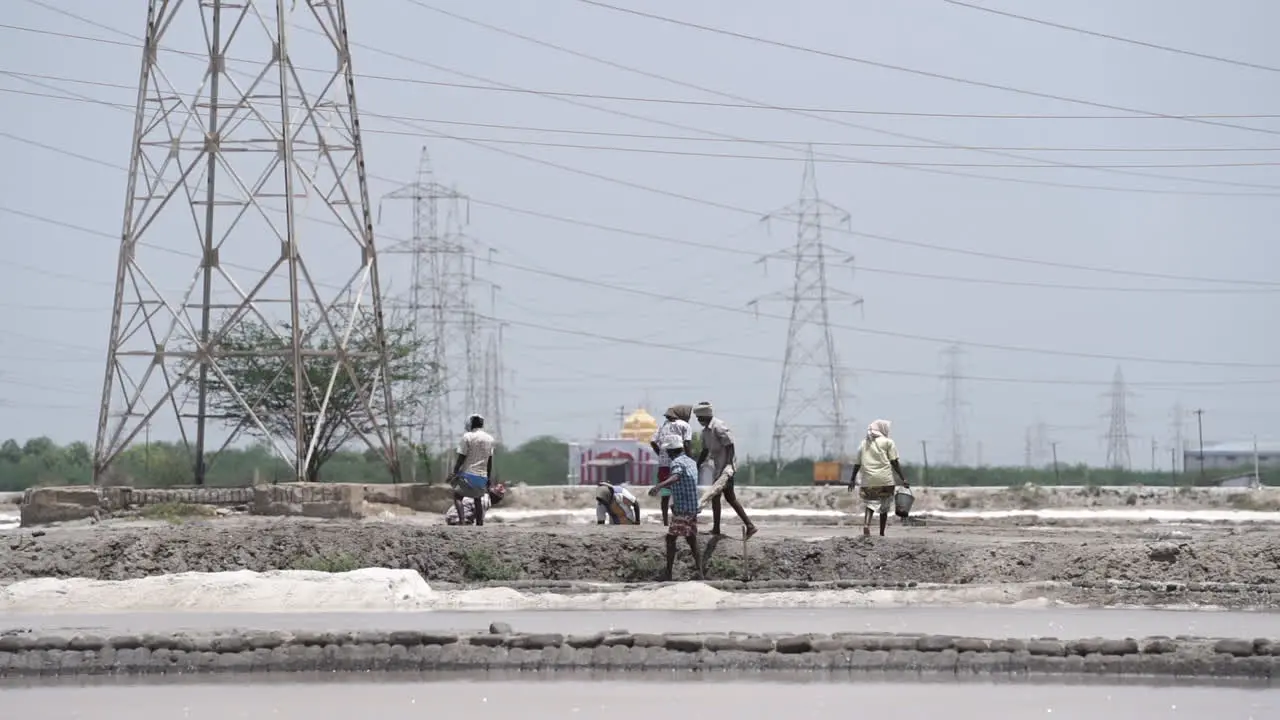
(509, 554)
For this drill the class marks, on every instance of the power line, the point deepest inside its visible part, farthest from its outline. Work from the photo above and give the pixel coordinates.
(822, 118)
(776, 158)
(1116, 38)
(924, 73)
(744, 156)
(678, 101)
(1270, 286)
(937, 171)
(710, 305)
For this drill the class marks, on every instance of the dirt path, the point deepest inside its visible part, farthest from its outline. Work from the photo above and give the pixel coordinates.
(1087, 558)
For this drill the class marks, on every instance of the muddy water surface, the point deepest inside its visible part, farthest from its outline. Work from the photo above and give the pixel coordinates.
(643, 700)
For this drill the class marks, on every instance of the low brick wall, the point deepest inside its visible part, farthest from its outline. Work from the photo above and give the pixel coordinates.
(222, 496)
(24, 655)
(317, 500)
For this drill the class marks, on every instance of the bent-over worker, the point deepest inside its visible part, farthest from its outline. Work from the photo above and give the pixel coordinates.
(616, 505)
(490, 499)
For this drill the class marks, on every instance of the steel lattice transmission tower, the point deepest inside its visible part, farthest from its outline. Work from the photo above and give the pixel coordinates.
(810, 391)
(1118, 427)
(439, 305)
(492, 399)
(224, 170)
(953, 405)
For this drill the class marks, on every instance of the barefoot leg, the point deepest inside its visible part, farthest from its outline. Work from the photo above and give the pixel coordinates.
(732, 498)
(697, 556)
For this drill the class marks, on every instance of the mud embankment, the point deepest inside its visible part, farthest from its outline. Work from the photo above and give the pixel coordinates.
(1029, 497)
(499, 554)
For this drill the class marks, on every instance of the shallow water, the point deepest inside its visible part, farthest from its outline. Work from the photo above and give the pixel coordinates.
(628, 700)
(1064, 623)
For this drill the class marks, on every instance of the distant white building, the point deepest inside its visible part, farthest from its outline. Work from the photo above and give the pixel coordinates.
(1232, 455)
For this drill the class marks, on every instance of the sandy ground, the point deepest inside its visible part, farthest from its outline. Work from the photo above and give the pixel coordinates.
(1088, 560)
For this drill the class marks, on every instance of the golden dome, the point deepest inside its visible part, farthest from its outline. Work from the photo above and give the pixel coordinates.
(639, 425)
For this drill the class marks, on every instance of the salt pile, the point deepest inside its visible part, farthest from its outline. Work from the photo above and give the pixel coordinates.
(238, 591)
(383, 590)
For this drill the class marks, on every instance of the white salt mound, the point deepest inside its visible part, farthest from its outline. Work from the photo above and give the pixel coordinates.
(239, 591)
(385, 590)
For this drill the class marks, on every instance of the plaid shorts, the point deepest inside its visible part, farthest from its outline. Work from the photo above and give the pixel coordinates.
(683, 526)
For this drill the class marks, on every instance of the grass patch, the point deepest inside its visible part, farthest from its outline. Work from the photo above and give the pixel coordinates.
(1251, 501)
(176, 512)
(1027, 497)
(956, 501)
(327, 562)
(480, 565)
(641, 568)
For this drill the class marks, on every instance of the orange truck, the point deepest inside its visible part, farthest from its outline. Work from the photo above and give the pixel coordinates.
(831, 473)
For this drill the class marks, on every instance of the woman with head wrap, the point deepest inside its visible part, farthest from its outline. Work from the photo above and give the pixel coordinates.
(676, 425)
(881, 471)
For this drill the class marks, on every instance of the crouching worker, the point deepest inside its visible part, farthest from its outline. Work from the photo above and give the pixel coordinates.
(683, 482)
(616, 505)
(488, 500)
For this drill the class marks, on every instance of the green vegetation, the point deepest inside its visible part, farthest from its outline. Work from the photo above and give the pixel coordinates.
(480, 565)
(254, 362)
(540, 461)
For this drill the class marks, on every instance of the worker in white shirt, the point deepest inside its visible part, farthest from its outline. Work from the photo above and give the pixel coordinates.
(676, 425)
(473, 470)
(616, 505)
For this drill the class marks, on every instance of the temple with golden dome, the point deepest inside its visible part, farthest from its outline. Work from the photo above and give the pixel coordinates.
(624, 457)
(639, 426)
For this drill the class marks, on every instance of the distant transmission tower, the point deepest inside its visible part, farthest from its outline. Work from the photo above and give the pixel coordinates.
(490, 369)
(492, 399)
(953, 405)
(1118, 428)
(810, 394)
(225, 170)
(439, 304)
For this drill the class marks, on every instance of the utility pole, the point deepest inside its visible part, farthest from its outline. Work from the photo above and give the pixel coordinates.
(953, 405)
(225, 172)
(1173, 465)
(1257, 465)
(1179, 416)
(811, 396)
(1057, 479)
(1026, 452)
(1200, 431)
(1118, 426)
(1153, 454)
(924, 448)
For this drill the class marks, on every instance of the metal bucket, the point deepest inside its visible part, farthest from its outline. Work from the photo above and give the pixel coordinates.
(902, 501)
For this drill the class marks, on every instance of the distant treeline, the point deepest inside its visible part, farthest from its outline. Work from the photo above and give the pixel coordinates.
(540, 461)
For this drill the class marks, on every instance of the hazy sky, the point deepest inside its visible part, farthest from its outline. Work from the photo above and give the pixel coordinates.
(1185, 341)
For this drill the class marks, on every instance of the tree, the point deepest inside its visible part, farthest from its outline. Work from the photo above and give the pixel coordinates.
(256, 360)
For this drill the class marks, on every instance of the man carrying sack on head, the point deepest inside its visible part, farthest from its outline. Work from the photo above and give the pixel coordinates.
(718, 446)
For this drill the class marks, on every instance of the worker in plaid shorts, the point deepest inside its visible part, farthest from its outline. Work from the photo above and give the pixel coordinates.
(683, 482)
